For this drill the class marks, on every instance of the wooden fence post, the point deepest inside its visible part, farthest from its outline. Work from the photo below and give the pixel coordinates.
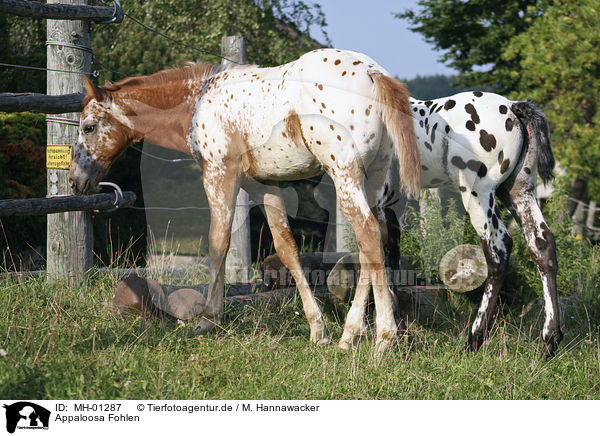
(579, 219)
(70, 242)
(589, 223)
(237, 265)
(342, 229)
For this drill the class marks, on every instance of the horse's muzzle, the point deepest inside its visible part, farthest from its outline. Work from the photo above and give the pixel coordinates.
(84, 179)
(82, 186)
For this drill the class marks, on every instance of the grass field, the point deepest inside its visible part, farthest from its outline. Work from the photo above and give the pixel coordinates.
(63, 342)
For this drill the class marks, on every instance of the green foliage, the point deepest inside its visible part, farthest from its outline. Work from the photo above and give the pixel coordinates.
(19, 126)
(560, 64)
(578, 266)
(435, 86)
(276, 32)
(22, 175)
(22, 42)
(437, 228)
(473, 35)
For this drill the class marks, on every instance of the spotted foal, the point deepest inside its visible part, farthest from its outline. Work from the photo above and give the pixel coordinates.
(485, 146)
(329, 111)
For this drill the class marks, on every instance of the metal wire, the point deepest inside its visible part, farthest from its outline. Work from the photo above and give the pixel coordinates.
(61, 120)
(145, 153)
(170, 208)
(94, 73)
(153, 30)
(118, 195)
(71, 45)
(95, 60)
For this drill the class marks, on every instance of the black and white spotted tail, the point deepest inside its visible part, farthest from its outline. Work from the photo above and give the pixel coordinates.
(538, 136)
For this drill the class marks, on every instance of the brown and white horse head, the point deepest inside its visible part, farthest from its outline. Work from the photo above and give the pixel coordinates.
(105, 131)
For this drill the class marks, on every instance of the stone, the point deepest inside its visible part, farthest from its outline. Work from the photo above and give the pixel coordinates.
(186, 303)
(138, 295)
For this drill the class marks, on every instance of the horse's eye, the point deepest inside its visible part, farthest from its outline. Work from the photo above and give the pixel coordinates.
(89, 128)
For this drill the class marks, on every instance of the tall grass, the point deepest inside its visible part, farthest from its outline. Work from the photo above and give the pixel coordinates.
(64, 342)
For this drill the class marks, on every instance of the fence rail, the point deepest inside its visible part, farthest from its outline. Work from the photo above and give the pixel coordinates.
(34, 102)
(32, 9)
(70, 203)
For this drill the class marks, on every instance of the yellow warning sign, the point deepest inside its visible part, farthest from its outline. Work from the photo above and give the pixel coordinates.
(58, 156)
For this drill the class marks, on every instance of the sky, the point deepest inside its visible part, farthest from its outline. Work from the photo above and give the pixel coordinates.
(368, 26)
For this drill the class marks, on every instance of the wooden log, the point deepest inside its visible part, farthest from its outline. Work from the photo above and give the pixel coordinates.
(43, 206)
(47, 104)
(239, 259)
(61, 11)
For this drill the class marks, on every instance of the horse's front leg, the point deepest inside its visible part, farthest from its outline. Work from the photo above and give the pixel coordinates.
(222, 184)
(269, 195)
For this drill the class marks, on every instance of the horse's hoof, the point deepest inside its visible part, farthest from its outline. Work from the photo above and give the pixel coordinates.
(551, 344)
(474, 343)
(205, 325)
(324, 341)
(382, 346)
(320, 337)
(345, 345)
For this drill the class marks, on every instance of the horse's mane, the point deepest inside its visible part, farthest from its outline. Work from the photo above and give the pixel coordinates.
(193, 71)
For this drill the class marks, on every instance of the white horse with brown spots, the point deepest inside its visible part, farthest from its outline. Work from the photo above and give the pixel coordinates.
(330, 110)
(483, 145)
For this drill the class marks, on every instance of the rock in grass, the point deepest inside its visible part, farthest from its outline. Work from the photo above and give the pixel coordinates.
(138, 295)
(186, 303)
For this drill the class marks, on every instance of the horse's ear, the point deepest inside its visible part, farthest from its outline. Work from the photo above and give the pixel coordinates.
(92, 90)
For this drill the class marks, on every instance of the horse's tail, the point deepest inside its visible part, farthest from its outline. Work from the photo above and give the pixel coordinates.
(394, 106)
(538, 136)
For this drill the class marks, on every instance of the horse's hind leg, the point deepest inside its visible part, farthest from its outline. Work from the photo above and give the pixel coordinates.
(355, 205)
(270, 196)
(222, 186)
(497, 244)
(522, 203)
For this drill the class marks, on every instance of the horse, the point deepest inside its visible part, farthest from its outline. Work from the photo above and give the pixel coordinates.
(328, 111)
(483, 145)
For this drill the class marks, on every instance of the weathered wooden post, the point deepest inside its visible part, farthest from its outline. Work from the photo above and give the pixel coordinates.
(579, 219)
(589, 223)
(237, 265)
(69, 245)
(342, 230)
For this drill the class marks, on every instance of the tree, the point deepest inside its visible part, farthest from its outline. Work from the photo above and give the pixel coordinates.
(276, 32)
(472, 34)
(560, 69)
(430, 87)
(22, 42)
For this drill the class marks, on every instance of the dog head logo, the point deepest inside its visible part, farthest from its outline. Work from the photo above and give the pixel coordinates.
(26, 415)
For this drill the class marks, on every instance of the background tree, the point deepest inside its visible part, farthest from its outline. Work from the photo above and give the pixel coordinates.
(276, 32)
(472, 36)
(22, 42)
(559, 57)
(435, 86)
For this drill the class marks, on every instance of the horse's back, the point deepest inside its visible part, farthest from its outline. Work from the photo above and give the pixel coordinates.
(316, 112)
(473, 133)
